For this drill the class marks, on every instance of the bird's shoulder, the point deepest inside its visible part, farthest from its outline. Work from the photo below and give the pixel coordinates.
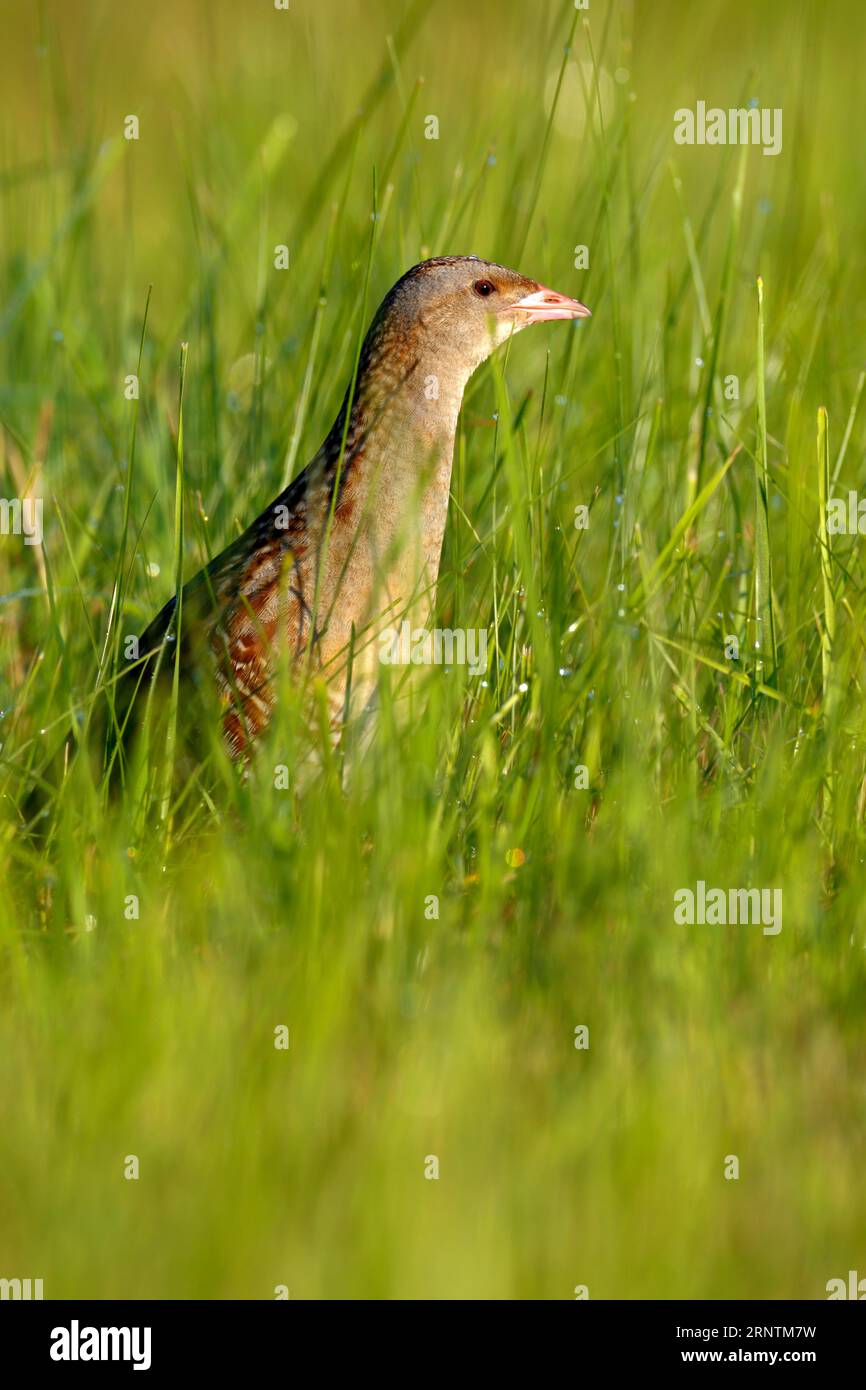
(239, 574)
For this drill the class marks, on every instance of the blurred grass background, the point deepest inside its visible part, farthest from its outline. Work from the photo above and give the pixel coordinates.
(412, 1035)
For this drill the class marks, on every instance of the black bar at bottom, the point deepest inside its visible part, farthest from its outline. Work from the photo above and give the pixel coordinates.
(154, 1338)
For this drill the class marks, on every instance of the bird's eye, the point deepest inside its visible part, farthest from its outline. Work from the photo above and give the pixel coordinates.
(484, 288)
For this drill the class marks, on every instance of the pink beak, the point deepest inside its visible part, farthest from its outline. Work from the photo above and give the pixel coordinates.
(545, 304)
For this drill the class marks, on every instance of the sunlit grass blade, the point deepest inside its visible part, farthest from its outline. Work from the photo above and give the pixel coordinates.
(828, 626)
(177, 620)
(765, 641)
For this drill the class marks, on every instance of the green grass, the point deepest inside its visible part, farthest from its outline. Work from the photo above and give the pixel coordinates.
(414, 1035)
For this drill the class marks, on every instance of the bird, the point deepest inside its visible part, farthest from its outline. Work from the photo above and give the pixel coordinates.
(355, 540)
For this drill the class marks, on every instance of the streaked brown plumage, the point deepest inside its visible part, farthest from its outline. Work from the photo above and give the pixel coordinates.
(354, 541)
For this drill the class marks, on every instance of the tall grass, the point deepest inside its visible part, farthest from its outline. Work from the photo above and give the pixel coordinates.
(433, 918)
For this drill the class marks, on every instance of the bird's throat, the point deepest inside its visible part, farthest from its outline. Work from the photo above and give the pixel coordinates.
(389, 503)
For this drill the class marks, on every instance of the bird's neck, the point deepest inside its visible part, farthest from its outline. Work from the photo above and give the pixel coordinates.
(396, 460)
(404, 405)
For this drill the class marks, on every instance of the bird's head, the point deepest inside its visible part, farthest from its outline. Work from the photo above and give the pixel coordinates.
(455, 310)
